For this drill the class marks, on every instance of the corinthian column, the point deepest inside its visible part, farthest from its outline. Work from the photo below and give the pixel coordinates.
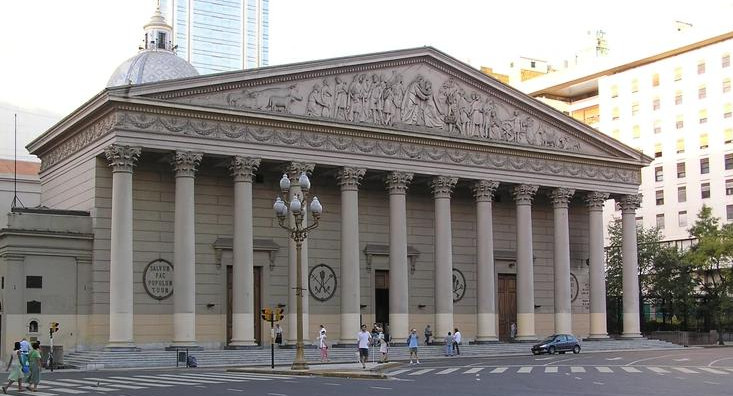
(629, 204)
(563, 313)
(348, 179)
(294, 170)
(184, 242)
(397, 183)
(523, 195)
(243, 170)
(483, 191)
(442, 188)
(122, 159)
(595, 201)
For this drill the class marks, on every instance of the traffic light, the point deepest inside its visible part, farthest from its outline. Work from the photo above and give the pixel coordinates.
(279, 314)
(267, 314)
(54, 327)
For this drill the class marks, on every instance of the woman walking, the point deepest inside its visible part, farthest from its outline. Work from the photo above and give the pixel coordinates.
(35, 364)
(383, 347)
(322, 345)
(16, 369)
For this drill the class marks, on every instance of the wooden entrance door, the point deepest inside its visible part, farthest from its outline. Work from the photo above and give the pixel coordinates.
(507, 299)
(257, 304)
(381, 297)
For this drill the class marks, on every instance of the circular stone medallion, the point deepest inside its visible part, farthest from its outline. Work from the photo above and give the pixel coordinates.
(322, 282)
(158, 279)
(459, 285)
(574, 287)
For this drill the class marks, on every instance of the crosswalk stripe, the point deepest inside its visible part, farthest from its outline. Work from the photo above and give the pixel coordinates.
(58, 383)
(499, 370)
(524, 370)
(685, 370)
(35, 393)
(186, 378)
(259, 375)
(235, 378)
(69, 391)
(447, 371)
(577, 369)
(712, 370)
(116, 381)
(145, 381)
(216, 377)
(550, 369)
(658, 370)
(98, 388)
(474, 370)
(398, 372)
(99, 385)
(730, 369)
(421, 372)
(177, 380)
(630, 369)
(603, 369)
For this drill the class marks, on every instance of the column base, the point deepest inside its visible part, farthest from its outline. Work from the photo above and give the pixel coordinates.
(597, 337)
(305, 346)
(240, 347)
(121, 347)
(191, 346)
(526, 339)
(484, 340)
(237, 343)
(631, 336)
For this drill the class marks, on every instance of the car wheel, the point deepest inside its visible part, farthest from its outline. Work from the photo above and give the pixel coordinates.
(551, 350)
(576, 349)
(535, 353)
(562, 352)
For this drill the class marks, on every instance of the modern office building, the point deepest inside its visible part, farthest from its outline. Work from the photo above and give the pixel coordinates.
(676, 106)
(220, 35)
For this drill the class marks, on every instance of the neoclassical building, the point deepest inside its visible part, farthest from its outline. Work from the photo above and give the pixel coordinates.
(448, 199)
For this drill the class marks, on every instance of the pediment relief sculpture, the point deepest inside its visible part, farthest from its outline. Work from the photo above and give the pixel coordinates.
(414, 98)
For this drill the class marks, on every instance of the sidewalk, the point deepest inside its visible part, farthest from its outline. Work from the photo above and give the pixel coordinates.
(342, 370)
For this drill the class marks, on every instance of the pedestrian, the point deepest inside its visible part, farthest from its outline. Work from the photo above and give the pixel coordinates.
(15, 368)
(322, 344)
(513, 331)
(35, 366)
(428, 334)
(363, 340)
(457, 341)
(448, 340)
(278, 335)
(383, 347)
(412, 341)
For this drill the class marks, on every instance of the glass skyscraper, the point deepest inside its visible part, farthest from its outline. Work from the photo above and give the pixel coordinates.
(220, 35)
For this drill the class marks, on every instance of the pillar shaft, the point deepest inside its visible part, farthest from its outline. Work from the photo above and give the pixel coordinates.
(486, 289)
(243, 315)
(597, 282)
(121, 159)
(184, 242)
(630, 272)
(442, 189)
(349, 179)
(563, 312)
(525, 268)
(397, 183)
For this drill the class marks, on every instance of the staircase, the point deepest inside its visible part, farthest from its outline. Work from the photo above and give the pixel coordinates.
(91, 360)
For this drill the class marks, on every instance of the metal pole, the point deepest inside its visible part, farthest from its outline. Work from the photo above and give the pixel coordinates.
(272, 341)
(299, 363)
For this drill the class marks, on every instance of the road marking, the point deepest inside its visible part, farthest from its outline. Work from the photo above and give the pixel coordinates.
(602, 369)
(216, 377)
(398, 372)
(187, 378)
(712, 370)
(651, 358)
(58, 383)
(474, 370)
(598, 383)
(179, 381)
(547, 358)
(380, 387)
(235, 390)
(712, 383)
(550, 369)
(681, 360)
(37, 393)
(630, 369)
(98, 388)
(421, 372)
(559, 361)
(143, 381)
(257, 377)
(154, 385)
(65, 390)
(577, 369)
(685, 370)
(331, 383)
(277, 394)
(614, 358)
(658, 370)
(524, 370)
(97, 385)
(447, 371)
(499, 370)
(719, 360)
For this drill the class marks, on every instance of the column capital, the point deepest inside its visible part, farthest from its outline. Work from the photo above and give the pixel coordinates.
(349, 178)
(122, 158)
(524, 193)
(185, 163)
(595, 200)
(629, 203)
(397, 182)
(483, 190)
(243, 168)
(442, 186)
(561, 196)
(295, 169)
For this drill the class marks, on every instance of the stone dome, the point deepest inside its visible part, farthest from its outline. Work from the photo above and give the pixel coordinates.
(150, 66)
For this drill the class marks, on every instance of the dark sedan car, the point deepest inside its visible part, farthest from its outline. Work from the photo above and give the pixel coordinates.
(557, 343)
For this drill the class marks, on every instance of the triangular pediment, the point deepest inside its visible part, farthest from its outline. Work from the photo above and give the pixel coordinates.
(418, 91)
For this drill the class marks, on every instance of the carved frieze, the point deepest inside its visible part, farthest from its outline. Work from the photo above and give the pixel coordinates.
(80, 140)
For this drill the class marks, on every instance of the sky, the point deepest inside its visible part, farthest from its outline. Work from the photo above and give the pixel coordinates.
(57, 54)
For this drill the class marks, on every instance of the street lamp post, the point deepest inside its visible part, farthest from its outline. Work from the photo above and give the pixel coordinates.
(297, 207)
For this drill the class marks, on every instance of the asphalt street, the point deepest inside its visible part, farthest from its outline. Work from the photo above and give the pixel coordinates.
(672, 372)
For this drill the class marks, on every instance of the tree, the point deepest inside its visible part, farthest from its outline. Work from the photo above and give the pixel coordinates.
(710, 257)
(672, 284)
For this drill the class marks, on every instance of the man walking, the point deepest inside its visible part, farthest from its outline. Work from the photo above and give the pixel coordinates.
(364, 339)
(412, 341)
(457, 341)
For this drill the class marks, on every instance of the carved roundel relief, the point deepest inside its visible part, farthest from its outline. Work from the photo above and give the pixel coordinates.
(322, 282)
(459, 285)
(574, 287)
(158, 279)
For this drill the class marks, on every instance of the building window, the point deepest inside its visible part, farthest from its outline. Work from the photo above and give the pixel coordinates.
(655, 80)
(33, 307)
(634, 108)
(658, 150)
(639, 221)
(678, 98)
(729, 187)
(680, 146)
(615, 114)
(704, 166)
(729, 212)
(678, 74)
(702, 116)
(655, 104)
(660, 221)
(658, 174)
(636, 132)
(657, 127)
(701, 68)
(33, 326)
(659, 198)
(681, 194)
(703, 141)
(702, 92)
(681, 172)
(680, 123)
(705, 190)
(33, 282)
(728, 136)
(614, 91)
(616, 134)
(727, 110)
(635, 85)
(728, 161)
(725, 62)
(726, 85)
(682, 218)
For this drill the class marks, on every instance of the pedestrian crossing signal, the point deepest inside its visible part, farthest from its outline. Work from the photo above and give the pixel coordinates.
(267, 314)
(279, 314)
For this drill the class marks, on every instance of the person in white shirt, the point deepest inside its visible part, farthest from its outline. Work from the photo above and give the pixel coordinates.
(364, 339)
(457, 341)
(322, 345)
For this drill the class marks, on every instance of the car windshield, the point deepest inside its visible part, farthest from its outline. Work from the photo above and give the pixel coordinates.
(549, 339)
